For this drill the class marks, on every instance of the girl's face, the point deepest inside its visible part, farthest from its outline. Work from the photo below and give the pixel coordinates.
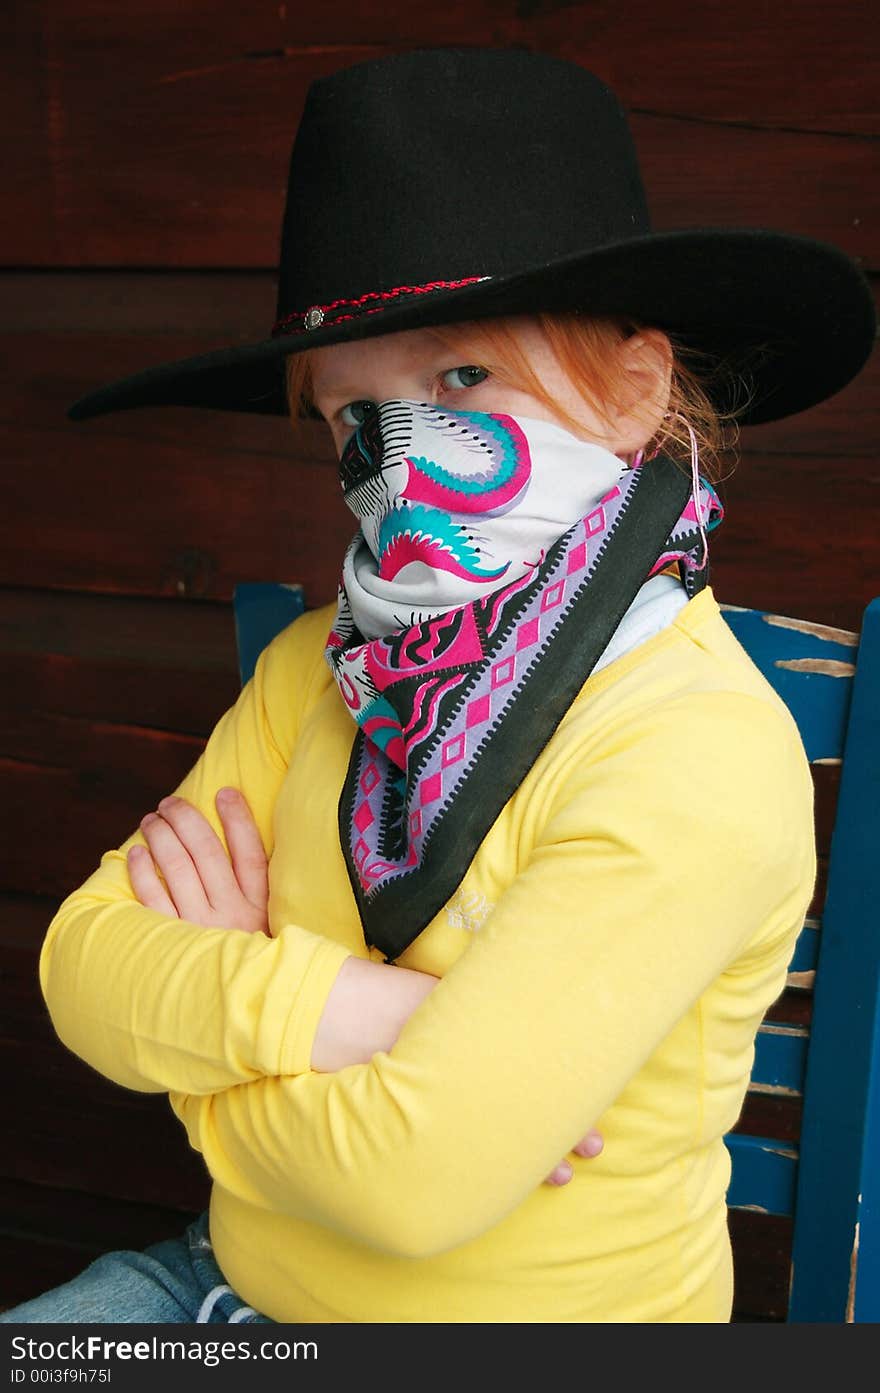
(350, 379)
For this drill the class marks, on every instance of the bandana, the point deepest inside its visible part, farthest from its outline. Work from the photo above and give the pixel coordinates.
(471, 611)
(453, 505)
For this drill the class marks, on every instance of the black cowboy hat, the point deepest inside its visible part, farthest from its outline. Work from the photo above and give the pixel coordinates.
(449, 184)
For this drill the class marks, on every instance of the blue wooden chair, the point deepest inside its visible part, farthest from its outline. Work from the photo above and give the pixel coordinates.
(829, 1181)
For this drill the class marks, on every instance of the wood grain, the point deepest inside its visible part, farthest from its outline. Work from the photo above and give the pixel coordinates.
(723, 133)
(75, 1131)
(105, 705)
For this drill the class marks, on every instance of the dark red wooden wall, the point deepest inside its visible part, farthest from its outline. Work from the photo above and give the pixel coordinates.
(145, 150)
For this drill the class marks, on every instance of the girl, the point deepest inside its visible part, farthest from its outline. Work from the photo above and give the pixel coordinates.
(516, 839)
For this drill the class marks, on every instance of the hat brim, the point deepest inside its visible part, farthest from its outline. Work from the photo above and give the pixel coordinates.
(795, 314)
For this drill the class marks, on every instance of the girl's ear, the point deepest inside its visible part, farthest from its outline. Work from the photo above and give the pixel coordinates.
(646, 379)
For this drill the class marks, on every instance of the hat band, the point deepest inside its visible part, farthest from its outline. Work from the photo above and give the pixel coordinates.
(303, 321)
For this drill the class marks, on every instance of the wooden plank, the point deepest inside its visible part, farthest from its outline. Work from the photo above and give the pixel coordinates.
(80, 1219)
(82, 1135)
(24, 919)
(633, 46)
(92, 781)
(691, 67)
(74, 1129)
(766, 553)
(102, 717)
(114, 693)
(770, 1115)
(31, 1265)
(762, 1258)
(221, 102)
(215, 306)
(731, 176)
(85, 520)
(162, 664)
(173, 636)
(794, 1007)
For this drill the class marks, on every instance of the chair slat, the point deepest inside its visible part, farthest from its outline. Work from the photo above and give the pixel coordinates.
(833, 1190)
(262, 609)
(806, 950)
(780, 1058)
(809, 665)
(836, 1248)
(764, 1173)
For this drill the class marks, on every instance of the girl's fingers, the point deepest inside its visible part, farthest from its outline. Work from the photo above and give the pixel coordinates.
(590, 1145)
(245, 846)
(145, 882)
(201, 884)
(175, 863)
(561, 1174)
(204, 849)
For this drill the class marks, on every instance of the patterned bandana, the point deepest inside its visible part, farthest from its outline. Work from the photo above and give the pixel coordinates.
(471, 611)
(453, 505)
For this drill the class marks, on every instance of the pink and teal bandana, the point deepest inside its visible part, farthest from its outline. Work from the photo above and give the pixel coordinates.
(455, 691)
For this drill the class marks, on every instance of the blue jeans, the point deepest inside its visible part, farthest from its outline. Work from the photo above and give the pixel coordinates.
(173, 1282)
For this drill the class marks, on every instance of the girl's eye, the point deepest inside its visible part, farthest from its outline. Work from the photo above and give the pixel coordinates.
(357, 412)
(465, 377)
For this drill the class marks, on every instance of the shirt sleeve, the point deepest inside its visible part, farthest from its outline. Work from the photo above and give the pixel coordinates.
(156, 1003)
(670, 852)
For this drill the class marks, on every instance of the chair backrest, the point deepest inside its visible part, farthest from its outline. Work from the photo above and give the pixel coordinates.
(262, 609)
(826, 1051)
(820, 1043)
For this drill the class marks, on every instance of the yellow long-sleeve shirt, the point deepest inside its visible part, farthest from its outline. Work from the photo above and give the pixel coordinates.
(605, 961)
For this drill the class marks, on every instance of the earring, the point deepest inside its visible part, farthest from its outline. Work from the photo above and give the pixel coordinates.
(695, 480)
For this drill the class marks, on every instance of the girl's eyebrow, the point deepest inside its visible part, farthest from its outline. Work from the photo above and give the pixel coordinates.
(335, 391)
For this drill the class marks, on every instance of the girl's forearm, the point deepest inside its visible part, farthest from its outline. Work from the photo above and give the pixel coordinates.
(366, 1009)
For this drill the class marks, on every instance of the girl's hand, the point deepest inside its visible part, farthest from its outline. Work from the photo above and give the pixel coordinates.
(201, 884)
(588, 1146)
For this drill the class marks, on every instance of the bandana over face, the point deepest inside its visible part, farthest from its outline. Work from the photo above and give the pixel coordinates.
(495, 559)
(453, 505)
